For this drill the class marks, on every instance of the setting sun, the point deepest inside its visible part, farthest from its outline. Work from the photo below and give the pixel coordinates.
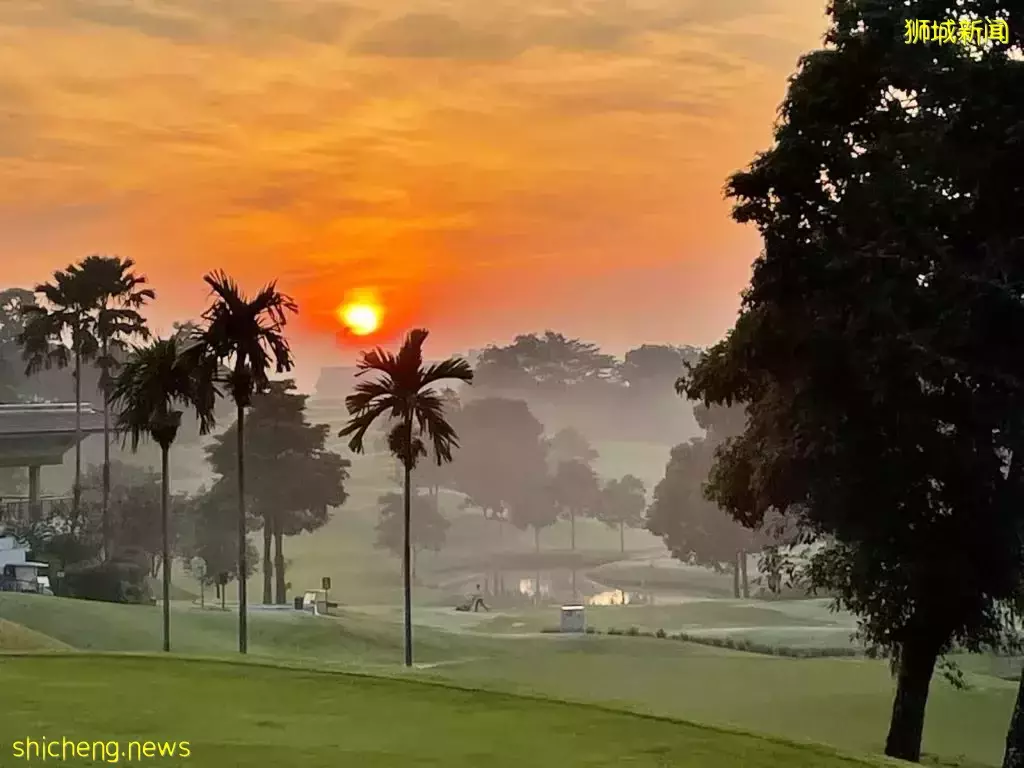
(361, 319)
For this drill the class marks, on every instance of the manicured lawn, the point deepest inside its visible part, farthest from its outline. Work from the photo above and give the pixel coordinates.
(245, 715)
(843, 702)
(90, 625)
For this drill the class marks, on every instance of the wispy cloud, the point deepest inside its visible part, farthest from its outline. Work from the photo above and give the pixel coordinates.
(407, 143)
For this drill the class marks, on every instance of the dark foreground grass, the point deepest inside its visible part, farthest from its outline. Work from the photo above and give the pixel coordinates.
(247, 715)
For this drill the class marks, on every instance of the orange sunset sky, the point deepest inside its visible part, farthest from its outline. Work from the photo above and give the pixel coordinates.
(490, 167)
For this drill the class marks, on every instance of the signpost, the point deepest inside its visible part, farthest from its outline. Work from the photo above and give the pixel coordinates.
(325, 585)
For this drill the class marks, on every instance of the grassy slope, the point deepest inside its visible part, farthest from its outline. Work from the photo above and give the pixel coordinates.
(87, 625)
(843, 702)
(309, 720)
(840, 702)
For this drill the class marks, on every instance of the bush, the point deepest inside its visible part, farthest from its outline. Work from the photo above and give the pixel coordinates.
(592, 631)
(660, 634)
(615, 631)
(741, 644)
(113, 581)
(633, 631)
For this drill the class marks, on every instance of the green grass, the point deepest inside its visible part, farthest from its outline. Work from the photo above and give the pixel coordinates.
(249, 715)
(842, 702)
(89, 625)
(15, 637)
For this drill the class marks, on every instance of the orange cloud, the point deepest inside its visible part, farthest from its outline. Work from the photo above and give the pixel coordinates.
(511, 161)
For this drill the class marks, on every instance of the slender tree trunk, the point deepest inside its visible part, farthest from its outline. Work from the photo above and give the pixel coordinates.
(622, 537)
(1013, 757)
(165, 503)
(243, 606)
(743, 574)
(914, 675)
(406, 544)
(736, 576)
(279, 563)
(105, 529)
(572, 529)
(268, 595)
(76, 490)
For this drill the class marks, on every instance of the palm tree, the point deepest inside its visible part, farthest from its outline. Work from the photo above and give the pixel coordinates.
(118, 299)
(249, 335)
(404, 393)
(66, 312)
(154, 381)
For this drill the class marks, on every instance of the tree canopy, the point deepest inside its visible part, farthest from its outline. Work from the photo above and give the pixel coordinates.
(429, 526)
(291, 476)
(876, 348)
(547, 362)
(503, 451)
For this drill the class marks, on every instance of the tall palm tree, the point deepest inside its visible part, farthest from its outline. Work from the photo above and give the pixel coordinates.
(155, 382)
(404, 393)
(247, 334)
(64, 313)
(147, 394)
(119, 295)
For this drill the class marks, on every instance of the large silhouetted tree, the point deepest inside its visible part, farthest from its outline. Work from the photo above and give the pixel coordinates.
(877, 347)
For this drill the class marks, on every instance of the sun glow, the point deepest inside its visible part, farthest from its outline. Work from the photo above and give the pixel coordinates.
(360, 318)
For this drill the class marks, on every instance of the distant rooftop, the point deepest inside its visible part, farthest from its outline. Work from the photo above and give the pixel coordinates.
(47, 418)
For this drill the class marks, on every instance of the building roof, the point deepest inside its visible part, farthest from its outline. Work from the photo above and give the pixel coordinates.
(47, 418)
(40, 434)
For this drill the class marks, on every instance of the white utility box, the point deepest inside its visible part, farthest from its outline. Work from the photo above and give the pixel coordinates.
(573, 619)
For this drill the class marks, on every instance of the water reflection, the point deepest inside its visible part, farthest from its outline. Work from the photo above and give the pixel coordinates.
(613, 597)
(561, 586)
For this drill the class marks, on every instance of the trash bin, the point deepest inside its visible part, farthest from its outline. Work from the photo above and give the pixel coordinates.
(298, 602)
(573, 619)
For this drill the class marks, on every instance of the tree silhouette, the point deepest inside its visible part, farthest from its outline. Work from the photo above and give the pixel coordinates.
(118, 295)
(622, 505)
(64, 312)
(148, 394)
(404, 393)
(576, 491)
(877, 346)
(248, 336)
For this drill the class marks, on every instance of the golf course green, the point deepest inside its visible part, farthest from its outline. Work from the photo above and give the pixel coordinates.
(245, 714)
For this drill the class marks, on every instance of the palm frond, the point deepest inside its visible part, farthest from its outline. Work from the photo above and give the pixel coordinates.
(153, 384)
(359, 425)
(454, 368)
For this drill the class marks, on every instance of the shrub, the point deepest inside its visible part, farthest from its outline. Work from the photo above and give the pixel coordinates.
(615, 631)
(113, 581)
(633, 631)
(660, 634)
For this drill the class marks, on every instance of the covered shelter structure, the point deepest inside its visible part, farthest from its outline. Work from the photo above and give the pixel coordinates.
(35, 435)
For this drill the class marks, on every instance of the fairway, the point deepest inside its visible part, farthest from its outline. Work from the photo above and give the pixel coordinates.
(246, 715)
